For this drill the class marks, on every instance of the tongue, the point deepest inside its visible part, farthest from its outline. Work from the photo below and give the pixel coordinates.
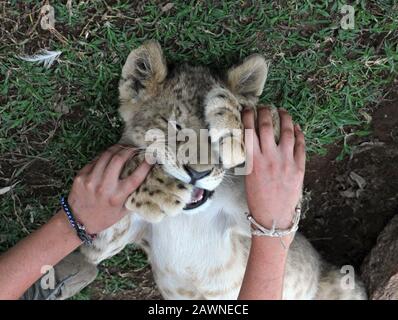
(197, 195)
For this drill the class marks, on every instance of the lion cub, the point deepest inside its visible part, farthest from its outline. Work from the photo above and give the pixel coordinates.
(189, 216)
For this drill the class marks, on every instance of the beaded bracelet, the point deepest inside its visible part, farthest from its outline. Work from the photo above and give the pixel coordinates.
(79, 228)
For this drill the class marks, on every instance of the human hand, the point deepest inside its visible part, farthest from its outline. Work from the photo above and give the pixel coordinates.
(274, 185)
(98, 194)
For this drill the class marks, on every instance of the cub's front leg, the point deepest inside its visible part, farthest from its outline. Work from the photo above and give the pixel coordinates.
(244, 84)
(223, 114)
(225, 127)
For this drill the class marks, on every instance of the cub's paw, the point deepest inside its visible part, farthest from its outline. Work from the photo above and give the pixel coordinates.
(232, 151)
(159, 196)
(229, 145)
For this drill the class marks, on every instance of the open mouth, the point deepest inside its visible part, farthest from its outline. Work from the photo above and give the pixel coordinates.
(198, 197)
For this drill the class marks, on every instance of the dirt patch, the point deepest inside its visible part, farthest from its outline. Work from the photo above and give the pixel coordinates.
(144, 287)
(353, 199)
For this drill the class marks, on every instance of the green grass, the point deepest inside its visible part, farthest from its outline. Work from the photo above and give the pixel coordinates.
(53, 121)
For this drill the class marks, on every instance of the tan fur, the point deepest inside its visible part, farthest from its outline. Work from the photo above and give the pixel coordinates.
(146, 65)
(247, 79)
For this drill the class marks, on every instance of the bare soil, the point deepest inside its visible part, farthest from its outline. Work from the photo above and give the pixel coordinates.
(352, 200)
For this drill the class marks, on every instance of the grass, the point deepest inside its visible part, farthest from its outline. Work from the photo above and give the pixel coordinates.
(52, 121)
(115, 274)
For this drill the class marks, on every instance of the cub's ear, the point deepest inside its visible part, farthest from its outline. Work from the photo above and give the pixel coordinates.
(247, 79)
(144, 70)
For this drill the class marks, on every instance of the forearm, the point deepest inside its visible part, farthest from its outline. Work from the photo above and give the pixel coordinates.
(21, 266)
(265, 269)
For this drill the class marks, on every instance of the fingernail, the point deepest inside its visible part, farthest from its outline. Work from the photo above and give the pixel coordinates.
(298, 127)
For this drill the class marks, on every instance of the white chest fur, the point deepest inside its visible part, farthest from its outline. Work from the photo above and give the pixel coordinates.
(203, 255)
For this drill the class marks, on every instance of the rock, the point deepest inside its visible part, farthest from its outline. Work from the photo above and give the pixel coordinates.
(380, 268)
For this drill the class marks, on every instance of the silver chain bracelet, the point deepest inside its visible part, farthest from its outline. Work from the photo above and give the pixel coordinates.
(259, 230)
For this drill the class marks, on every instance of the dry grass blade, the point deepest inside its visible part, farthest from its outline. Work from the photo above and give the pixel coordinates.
(4, 190)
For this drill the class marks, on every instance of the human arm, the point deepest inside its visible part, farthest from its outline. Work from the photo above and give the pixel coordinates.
(273, 190)
(97, 200)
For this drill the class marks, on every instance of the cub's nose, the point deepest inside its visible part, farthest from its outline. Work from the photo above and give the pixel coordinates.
(196, 175)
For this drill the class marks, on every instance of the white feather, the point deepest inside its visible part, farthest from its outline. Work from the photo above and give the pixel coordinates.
(46, 57)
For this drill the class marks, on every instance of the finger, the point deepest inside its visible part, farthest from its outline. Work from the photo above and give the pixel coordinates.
(133, 181)
(251, 139)
(286, 141)
(299, 148)
(87, 168)
(100, 165)
(266, 130)
(115, 166)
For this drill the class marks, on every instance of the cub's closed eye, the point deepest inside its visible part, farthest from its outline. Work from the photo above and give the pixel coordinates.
(175, 125)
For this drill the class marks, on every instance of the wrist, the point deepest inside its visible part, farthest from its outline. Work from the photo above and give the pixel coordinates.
(65, 228)
(279, 246)
(92, 226)
(279, 230)
(274, 250)
(81, 230)
(283, 218)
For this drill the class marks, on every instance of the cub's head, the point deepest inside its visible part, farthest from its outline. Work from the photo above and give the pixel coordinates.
(189, 115)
